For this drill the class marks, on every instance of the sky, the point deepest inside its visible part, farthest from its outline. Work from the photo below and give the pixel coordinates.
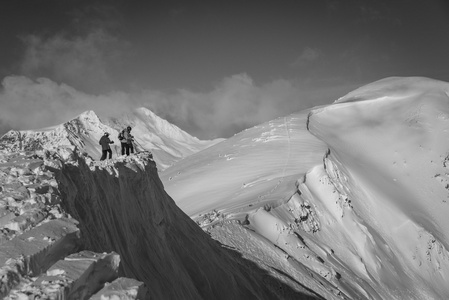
(213, 68)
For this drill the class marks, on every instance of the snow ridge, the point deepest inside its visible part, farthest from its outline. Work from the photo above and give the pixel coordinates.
(166, 128)
(392, 213)
(167, 142)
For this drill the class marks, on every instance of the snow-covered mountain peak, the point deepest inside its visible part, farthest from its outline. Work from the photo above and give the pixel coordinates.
(164, 127)
(356, 192)
(388, 145)
(396, 88)
(151, 133)
(89, 117)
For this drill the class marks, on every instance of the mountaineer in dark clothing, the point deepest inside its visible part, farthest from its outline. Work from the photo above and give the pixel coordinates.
(129, 140)
(105, 148)
(121, 137)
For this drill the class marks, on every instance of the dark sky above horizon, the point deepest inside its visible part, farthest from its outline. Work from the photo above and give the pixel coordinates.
(211, 67)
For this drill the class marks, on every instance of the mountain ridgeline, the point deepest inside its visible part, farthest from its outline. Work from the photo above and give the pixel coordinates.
(167, 142)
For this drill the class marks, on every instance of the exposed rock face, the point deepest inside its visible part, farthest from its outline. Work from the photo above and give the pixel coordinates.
(122, 206)
(39, 242)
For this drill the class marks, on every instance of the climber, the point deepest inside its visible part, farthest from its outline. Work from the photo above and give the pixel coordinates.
(129, 140)
(104, 142)
(121, 137)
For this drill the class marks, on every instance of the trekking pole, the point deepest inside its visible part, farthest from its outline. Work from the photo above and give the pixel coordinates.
(138, 144)
(143, 149)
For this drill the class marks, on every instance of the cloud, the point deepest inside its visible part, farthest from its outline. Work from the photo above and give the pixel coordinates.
(32, 104)
(307, 56)
(236, 103)
(80, 61)
(87, 51)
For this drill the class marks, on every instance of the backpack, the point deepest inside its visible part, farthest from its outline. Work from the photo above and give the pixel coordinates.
(120, 136)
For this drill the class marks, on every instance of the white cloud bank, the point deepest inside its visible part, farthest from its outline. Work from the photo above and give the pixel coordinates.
(235, 103)
(30, 104)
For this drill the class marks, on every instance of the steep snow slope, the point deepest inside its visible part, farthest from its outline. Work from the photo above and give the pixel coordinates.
(167, 142)
(256, 167)
(244, 181)
(389, 158)
(359, 209)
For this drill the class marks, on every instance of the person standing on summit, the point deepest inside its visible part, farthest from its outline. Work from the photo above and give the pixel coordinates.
(105, 148)
(129, 140)
(121, 137)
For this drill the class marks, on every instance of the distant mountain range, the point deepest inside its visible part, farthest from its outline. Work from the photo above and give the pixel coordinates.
(167, 142)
